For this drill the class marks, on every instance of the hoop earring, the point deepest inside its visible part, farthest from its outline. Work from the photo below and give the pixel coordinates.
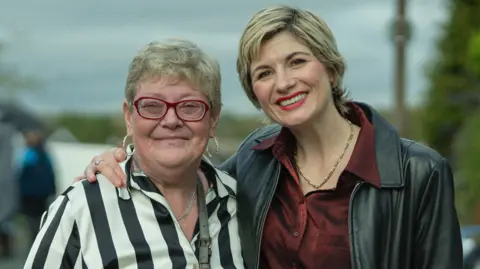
(217, 147)
(128, 148)
(208, 153)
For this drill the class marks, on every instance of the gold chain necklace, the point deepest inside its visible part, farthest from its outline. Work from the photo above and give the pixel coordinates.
(329, 175)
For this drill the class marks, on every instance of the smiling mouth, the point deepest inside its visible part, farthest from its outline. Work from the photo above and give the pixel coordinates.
(293, 100)
(173, 138)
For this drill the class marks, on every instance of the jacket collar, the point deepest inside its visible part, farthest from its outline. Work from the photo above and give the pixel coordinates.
(387, 147)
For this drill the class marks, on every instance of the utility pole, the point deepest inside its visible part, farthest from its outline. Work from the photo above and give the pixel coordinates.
(401, 37)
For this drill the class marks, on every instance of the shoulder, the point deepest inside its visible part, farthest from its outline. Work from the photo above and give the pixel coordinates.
(221, 177)
(86, 194)
(423, 165)
(420, 154)
(260, 134)
(29, 156)
(227, 181)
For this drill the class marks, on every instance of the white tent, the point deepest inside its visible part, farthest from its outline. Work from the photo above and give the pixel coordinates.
(70, 160)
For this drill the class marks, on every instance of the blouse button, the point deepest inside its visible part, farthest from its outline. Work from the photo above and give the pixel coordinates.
(295, 234)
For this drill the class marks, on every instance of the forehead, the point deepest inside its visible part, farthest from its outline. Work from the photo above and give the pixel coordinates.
(170, 88)
(279, 47)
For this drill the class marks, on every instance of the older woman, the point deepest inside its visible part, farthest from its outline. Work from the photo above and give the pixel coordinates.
(177, 210)
(330, 184)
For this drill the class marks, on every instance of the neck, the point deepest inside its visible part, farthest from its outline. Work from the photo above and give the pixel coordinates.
(176, 183)
(322, 137)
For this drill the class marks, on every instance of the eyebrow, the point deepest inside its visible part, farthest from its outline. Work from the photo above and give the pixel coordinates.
(164, 97)
(288, 58)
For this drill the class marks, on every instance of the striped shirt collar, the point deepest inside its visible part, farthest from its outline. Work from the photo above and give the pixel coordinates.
(223, 184)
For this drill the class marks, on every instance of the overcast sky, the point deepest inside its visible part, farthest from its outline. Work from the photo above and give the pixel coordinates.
(80, 50)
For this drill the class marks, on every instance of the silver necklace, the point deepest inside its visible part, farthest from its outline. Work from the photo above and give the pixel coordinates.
(190, 203)
(189, 206)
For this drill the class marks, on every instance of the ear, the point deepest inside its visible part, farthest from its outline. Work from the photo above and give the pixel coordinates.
(332, 77)
(214, 119)
(127, 112)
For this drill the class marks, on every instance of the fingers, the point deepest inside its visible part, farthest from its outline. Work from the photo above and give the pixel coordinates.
(78, 178)
(119, 155)
(107, 164)
(91, 170)
(107, 168)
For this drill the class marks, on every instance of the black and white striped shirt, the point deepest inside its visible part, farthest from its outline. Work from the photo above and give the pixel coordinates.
(100, 226)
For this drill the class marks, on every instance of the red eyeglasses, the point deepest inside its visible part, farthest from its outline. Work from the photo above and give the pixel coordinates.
(155, 109)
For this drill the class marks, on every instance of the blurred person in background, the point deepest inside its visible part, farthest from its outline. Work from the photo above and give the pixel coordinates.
(177, 210)
(330, 184)
(9, 199)
(36, 177)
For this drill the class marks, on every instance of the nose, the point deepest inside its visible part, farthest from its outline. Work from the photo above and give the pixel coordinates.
(284, 81)
(171, 120)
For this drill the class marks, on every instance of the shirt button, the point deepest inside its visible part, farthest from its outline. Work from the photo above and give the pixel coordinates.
(295, 234)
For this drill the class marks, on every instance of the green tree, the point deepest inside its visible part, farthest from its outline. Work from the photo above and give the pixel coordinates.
(97, 129)
(467, 151)
(237, 127)
(454, 84)
(474, 54)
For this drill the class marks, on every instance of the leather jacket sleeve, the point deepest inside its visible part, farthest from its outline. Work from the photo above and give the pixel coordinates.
(438, 241)
(230, 166)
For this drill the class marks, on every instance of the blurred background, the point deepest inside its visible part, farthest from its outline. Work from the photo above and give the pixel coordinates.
(63, 66)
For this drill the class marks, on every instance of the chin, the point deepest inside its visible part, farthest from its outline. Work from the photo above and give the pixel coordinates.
(168, 160)
(175, 156)
(294, 118)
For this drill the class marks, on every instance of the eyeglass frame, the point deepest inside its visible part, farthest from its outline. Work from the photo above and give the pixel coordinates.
(171, 105)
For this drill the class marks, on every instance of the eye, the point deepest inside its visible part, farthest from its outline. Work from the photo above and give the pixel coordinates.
(191, 107)
(263, 74)
(297, 61)
(191, 104)
(150, 103)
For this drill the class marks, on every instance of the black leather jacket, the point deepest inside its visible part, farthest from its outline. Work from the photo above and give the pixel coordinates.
(410, 222)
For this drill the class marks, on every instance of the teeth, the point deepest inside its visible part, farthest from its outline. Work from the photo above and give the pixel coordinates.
(293, 100)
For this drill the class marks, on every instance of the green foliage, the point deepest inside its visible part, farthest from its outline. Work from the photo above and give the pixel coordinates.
(468, 155)
(474, 54)
(237, 127)
(97, 129)
(453, 83)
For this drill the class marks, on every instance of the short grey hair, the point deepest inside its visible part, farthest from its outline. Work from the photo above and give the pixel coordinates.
(308, 29)
(177, 58)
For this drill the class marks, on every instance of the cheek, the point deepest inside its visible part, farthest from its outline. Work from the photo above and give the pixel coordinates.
(262, 94)
(319, 78)
(143, 128)
(200, 131)
(324, 87)
(200, 136)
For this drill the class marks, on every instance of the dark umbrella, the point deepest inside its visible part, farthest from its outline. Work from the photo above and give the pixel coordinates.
(21, 119)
